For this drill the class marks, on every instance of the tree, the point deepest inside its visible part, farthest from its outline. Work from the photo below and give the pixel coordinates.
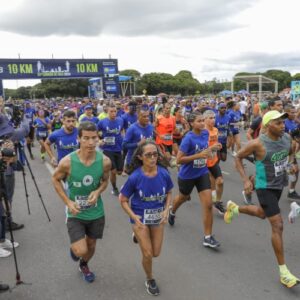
(131, 72)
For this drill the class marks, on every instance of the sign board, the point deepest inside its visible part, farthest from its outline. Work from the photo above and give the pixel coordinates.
(295, 89)
(107, 69)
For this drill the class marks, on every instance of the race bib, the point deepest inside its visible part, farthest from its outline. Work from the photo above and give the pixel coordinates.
(222, 133)
(199, 163)
(152, 216)
(110, 140)
(82, 201)
(168, 137)
(179, 127)
(280, 166)
(237, 126)
(42, 133)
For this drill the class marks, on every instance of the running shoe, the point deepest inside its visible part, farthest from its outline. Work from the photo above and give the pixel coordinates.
(211, 242)
(4, 253)
(231, 211)
(288, 279)
(171, 218)
(3, 287)
(294, 213)
(73, 256)
(42, 156)
(134, 239)
(219, 207)
(247, 198)
(294, 195)
(115, 192)
(86, 273)
(233, 153)
(151, 287)
(7, 244)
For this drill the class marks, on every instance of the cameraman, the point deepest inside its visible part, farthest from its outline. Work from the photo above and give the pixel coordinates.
(10, 136)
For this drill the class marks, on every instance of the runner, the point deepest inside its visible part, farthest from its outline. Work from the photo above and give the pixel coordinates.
(111, 144)
(42, 126)
(88, 115)
(86, 171)
(192, 156)
(164, 129)
(235, 116)
(137, 134)
(130, 117)
(29, 114)
(290, 127)
(149, 190)
(216, 178)
(272, 150)
(222, 124)
(182, 127)
(65, 138)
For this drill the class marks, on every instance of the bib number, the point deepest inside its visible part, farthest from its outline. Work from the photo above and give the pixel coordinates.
(82, 202)
(179, 127)
(280, 166)
(222, 133)
(110, 140)
(168, 137)
(42, 133)
(152, 216)
(199, 163)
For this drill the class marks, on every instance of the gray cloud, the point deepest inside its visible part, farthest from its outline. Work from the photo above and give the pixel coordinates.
(254, 62)
(131, 18)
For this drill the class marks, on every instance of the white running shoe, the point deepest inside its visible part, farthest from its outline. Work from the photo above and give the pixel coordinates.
(294, 213)
(4, 253)
(8, 244)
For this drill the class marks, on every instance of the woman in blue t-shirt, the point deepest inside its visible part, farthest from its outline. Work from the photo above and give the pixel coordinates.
(42, 126)
(235, 117)
(193, 172)
(149, 190)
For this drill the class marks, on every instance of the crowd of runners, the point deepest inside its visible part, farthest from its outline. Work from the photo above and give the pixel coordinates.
(91, 142)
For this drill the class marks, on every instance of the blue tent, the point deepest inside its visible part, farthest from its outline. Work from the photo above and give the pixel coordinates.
(226, 93)
(124, 78)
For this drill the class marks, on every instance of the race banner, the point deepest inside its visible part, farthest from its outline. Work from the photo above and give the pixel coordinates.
(57, 68)
(295, 89)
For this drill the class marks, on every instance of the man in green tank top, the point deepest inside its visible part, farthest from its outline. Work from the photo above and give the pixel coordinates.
(273, 155)
(86, 172)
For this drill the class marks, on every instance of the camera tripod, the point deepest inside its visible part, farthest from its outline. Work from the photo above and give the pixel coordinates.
(3, 198)
(20, 148)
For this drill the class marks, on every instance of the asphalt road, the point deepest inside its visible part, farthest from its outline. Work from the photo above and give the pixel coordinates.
(243, 268)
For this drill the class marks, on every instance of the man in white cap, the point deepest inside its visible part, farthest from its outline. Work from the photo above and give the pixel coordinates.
(272, 151)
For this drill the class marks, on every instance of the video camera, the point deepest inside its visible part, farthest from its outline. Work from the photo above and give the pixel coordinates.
(16, 113)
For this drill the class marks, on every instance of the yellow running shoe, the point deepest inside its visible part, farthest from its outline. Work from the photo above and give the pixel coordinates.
(289, 280)
(232, 210)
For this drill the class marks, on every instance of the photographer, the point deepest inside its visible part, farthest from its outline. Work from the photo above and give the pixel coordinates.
(10, 136)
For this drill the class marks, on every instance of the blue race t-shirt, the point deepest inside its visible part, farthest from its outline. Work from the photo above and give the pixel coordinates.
(111, 134)
(290, 125)
(29, 114)
(234, 119)
(222, 123)
(65, 142)
(134, 135)
(191, 144)
(148, 194)
(94, 120)
(129, 119)
(41, 127)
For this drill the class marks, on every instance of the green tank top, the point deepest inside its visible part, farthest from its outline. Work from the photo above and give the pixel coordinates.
(271, 170)
(82, 181)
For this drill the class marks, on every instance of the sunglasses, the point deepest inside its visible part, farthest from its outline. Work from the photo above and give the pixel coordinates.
(151, 154)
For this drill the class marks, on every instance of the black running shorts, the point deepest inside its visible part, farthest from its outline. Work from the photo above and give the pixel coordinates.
(201, 183)
(116, 160)
(215, 171)
(269, 201)
(78, 229)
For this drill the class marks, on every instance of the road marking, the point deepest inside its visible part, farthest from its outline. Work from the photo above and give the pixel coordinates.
(225, 173)
(49, 167)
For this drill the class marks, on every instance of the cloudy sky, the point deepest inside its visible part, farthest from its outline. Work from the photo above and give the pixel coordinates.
(211, 38)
